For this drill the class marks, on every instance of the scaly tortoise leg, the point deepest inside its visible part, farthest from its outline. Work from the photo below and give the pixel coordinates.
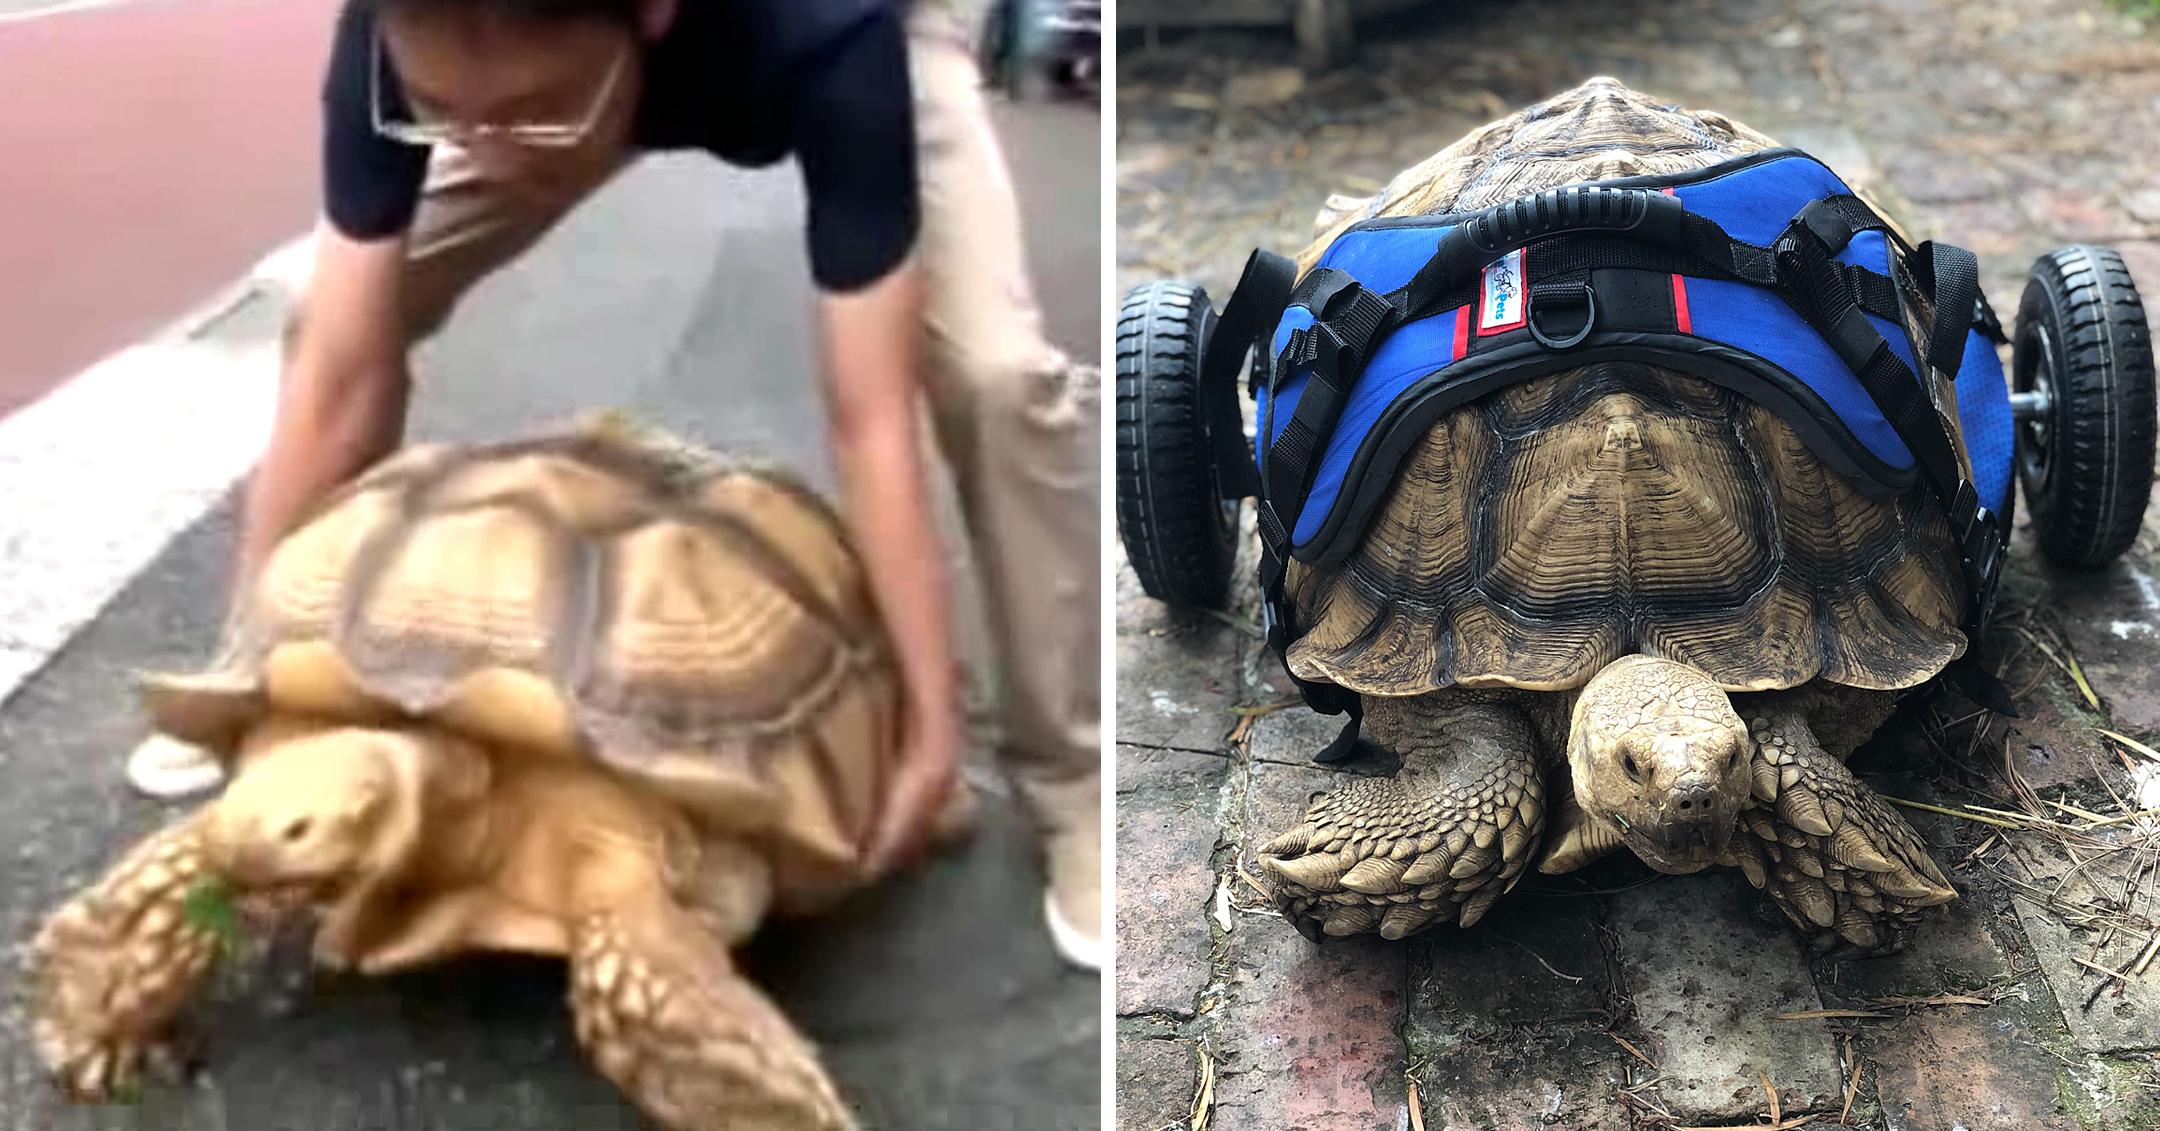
(1443, 839)
(1844, 866)
(112, 967)
(664, 1013)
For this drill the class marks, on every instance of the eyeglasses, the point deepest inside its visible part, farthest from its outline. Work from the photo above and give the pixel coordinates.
(537, 135)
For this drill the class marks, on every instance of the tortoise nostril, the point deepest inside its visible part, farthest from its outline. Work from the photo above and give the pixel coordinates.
(1693, 802)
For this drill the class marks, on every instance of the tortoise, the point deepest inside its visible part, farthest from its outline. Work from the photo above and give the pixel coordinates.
(1615, 606)
(594, 694)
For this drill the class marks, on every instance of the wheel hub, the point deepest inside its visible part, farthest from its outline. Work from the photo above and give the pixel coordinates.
(2033, 407)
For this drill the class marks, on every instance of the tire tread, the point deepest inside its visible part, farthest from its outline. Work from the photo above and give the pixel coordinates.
(2103, 423)
(1168, 511)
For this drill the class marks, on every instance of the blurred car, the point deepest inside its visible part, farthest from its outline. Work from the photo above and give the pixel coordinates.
(1031, 45)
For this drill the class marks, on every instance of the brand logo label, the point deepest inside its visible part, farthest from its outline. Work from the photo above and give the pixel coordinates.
(1506, 297)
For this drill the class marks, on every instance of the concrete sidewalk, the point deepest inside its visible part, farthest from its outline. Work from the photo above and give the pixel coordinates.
(1615, 998)
(680, 294)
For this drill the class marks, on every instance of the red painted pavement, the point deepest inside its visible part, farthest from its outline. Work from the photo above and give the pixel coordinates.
(150, 152)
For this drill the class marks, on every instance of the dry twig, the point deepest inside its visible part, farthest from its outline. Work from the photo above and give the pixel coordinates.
(1852, 1086)
(1540, 960)
(1203, 1103)
(1638, 1053)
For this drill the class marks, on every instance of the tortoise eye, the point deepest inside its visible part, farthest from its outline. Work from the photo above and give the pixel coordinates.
(299, 828)
(1627, 762)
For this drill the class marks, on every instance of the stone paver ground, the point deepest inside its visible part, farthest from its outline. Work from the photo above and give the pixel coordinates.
(1615, 998)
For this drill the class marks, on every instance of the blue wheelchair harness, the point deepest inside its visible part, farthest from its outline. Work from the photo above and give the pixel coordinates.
(1763, 274)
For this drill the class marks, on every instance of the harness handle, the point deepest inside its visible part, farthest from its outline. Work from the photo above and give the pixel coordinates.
(1644, 214)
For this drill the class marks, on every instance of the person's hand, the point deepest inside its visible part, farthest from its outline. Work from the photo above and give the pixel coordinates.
(921, 787)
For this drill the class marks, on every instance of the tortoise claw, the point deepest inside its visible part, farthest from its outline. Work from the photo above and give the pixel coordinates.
(1436, 844)
(1845, 867)
(112, 967)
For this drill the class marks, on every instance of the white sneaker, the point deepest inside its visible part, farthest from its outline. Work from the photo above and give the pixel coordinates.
(1073, 902)
(1072, 944)
(167, 768)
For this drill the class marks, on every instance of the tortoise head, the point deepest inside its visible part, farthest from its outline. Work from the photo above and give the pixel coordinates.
(1657, 753)
(312, 812)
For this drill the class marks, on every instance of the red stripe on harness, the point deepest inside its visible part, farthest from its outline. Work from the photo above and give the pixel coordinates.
(1679, 291)
(1462, 333)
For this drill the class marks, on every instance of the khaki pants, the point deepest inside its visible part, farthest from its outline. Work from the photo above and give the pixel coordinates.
(1015, 419)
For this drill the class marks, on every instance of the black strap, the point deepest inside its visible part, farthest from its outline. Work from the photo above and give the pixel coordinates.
(1985, 321)
(1820, 292)
(1252, 312)
(1951, 277)
(1974, 681)
(1875, 292)
(1345, 742)
(1835, 220)
(1349, 321)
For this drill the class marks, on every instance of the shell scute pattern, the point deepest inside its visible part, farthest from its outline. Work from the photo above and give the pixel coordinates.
(1599, 131)
(700, 625)
(1618, 516)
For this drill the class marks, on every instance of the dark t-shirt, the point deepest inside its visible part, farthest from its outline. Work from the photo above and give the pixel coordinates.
(750, 81)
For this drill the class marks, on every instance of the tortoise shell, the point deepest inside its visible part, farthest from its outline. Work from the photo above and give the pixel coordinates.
(700, 627)
(1539, 533)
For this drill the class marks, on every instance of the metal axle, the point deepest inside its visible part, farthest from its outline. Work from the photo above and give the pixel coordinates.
(2031, 406)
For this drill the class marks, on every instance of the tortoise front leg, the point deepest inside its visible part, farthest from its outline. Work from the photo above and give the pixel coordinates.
(664, 1013)
(1844, 866)
(113, 966)
(1441, 841)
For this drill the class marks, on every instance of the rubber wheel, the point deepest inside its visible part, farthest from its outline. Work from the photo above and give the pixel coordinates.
(2086, 457)
(1179, 533)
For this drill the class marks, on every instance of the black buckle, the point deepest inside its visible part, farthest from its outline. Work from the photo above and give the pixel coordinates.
(1293, 353)
(1326, 349)
(1785, 258)
(1981, 546)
